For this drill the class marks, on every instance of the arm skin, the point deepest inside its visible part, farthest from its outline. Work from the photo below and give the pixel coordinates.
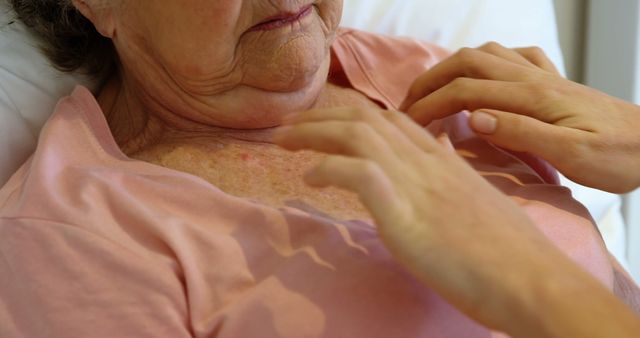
(413, 186)
(566, 302)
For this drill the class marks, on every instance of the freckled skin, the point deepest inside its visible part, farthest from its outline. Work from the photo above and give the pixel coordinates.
(260, 171)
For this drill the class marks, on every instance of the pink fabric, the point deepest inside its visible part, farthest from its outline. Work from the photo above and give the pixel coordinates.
(95, 244)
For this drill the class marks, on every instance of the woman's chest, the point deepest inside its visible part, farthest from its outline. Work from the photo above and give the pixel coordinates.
(263, 173)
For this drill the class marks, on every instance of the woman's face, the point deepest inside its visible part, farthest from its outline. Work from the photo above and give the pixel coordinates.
(228, 63)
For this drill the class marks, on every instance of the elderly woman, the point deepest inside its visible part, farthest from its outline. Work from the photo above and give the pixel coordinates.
(162, 207)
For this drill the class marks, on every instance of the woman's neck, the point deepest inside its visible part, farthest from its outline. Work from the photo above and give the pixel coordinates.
(136, 127)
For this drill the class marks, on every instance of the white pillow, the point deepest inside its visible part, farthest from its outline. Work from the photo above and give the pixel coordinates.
(29, 90)
(461, 23)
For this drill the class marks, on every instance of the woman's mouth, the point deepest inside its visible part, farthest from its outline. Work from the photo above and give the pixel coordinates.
(282, 20)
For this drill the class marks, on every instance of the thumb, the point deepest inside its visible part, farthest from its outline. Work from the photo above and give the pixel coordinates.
(519, 133)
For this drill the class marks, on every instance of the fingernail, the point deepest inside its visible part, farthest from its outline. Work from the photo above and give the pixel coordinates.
(484, 123)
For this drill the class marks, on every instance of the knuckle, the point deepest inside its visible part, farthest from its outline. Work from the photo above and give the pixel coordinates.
(536, 55)
(471, 63)
(368, 116)
(460, 92)
(460, 85)
(394, 117)
(369, 169)
(467, 55)
(359, 132)
(492, 46)
(536, 52)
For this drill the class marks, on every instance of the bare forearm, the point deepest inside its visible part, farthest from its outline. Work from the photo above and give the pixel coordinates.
(568, 302)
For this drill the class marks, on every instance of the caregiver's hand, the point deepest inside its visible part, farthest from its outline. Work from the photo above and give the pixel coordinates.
(443, 221)
(519, 102)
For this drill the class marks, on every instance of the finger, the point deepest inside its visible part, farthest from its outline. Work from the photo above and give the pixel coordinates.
(356, 139)
(527, 56)
(521, 133)
(508, 54)
(396, 128)
(364, 177)
(376, 118)
(538, 57)
(328, 114)
(471, 94)
(416, 133)
(467, 63)
(445, 142)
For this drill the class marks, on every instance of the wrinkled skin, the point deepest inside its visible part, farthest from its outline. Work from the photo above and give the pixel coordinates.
(198, 61)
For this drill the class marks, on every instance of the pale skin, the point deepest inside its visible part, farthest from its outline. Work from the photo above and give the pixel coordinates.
(215, 97)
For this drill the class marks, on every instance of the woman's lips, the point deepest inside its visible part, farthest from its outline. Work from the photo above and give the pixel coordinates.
(282, 19)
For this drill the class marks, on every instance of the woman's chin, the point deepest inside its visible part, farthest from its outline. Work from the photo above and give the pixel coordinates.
(284, 59)
(279, 97)
(302, 81)
(269, 108)
(256, 108)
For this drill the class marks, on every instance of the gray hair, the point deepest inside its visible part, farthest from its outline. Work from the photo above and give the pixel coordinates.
(69, 40)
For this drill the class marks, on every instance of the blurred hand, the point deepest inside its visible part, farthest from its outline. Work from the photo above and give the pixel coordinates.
(438, 217)
(520, 102)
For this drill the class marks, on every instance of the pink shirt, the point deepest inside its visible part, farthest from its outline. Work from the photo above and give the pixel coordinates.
(95, 244)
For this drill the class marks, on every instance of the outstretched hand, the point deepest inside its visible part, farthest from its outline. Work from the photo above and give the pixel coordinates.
(520, 102)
